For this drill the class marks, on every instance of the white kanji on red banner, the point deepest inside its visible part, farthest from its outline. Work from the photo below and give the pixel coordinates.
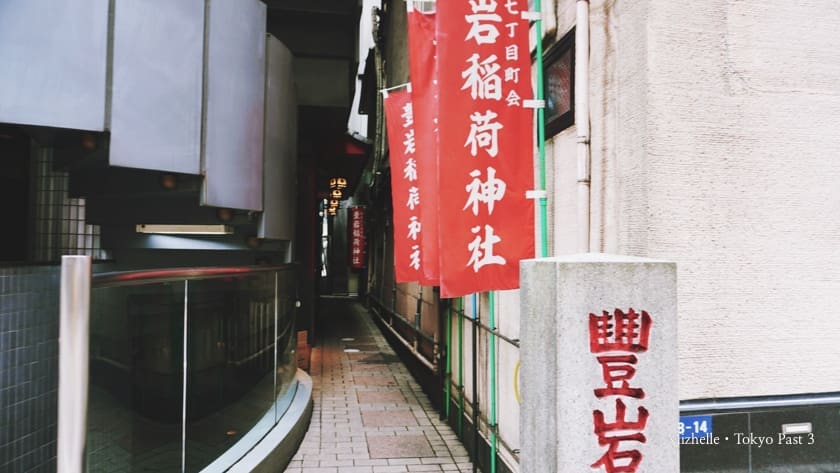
(405, 190)
(484, 213)
(422, 64)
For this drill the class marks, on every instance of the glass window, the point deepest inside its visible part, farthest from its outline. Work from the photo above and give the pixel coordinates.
(559, 83)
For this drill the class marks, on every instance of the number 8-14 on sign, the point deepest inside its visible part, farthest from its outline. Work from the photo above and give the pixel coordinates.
(695, 426)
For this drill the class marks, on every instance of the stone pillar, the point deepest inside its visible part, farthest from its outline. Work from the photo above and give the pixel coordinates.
(579, 373)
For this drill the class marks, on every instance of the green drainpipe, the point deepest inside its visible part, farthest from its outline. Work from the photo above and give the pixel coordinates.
(461, 367)
(541, 134)
(448, 369)
(492, 347)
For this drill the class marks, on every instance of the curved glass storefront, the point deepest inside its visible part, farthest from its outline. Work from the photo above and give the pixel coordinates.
(188, 370)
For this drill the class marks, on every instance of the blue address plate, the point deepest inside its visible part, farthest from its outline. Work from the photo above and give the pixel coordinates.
(695, 426)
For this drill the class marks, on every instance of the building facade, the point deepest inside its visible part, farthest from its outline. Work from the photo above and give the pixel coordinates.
(711, 131)
(155, 135)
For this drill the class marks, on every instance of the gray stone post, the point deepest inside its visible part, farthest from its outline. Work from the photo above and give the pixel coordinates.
(599, 365)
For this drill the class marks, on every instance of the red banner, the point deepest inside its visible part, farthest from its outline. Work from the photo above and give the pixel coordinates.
(357, 237)
(405, 186)
(486, 142)
(423, 72)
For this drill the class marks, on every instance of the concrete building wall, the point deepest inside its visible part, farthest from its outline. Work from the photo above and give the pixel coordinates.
(712, 146)
(744, 190)
(713, 136)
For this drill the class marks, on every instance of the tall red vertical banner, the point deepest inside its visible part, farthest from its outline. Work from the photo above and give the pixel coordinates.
(407, 199)
(486, 144)
(422, 65)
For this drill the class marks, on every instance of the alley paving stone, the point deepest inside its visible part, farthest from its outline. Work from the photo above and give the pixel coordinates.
(375, 380)
(380, 397)
(370, 415)
(388, 418)
(400, 446)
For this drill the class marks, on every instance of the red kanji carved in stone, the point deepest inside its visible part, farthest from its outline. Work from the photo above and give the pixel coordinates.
(618, 370)
(615, 460)
(627, 332)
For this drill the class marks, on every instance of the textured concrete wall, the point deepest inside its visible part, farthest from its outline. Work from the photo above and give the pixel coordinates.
(713, 144)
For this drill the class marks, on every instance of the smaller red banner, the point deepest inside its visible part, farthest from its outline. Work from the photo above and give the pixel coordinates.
(405, 187)
(357, 237)
(422, 66)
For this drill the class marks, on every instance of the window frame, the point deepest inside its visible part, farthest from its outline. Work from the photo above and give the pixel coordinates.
(563, 121)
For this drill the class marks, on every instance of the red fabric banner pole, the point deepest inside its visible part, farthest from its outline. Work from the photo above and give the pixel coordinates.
(486, 143)
(405, 186)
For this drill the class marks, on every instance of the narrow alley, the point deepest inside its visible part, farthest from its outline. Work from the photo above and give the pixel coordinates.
(370, 415)
(506, 236)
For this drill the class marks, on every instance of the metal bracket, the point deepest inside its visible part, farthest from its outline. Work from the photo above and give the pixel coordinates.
(533, 103)
(536, 194)
(531, 16)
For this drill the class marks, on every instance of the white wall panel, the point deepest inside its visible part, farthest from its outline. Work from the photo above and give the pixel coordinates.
(157, 80)
(234, 115)
(53, 62)
(280, 151)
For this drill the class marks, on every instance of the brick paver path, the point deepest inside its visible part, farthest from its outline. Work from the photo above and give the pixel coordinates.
(370, 415)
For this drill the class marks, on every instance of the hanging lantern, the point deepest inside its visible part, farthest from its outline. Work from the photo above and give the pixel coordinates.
(331, 211)
(336, 194)
(334, 204)
(338, 183)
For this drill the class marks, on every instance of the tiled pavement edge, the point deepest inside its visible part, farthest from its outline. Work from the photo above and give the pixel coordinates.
(370, 415)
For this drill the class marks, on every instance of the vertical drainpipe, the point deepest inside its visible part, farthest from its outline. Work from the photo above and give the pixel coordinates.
(492, 349)
(582, 124)
(382, 270)
(541, 132)
(476, 320)
(448, 367)
(393, 299)
(461, 368)
(417, 319)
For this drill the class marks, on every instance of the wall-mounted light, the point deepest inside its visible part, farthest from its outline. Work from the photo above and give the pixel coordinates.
(185, 229)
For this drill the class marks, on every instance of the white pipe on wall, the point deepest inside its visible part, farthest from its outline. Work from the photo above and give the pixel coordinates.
(582, 124)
